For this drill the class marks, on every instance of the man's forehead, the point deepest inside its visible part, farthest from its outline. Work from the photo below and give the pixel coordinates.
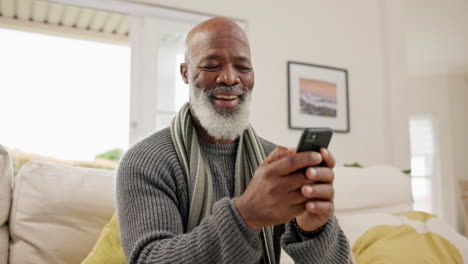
(216, 26)
(217, 33)
(216, 38)
(217, 47)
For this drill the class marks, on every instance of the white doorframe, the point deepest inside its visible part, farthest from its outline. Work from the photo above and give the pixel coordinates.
(143, 77)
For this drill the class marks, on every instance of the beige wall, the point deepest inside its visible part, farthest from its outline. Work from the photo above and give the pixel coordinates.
(458, 101)
(435, 100)
(335, 33)
(438, 36)
(445, 97)
(458, 94)
(402, 57)
(437, 61)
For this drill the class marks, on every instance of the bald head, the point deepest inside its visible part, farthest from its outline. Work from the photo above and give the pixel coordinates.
(209, 30)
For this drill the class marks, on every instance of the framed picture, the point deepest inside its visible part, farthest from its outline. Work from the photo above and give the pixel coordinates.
(318, 97)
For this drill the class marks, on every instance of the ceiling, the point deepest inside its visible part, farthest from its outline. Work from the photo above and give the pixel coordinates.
(65, 16)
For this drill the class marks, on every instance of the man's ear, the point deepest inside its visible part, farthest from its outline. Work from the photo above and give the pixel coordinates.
(184, 72)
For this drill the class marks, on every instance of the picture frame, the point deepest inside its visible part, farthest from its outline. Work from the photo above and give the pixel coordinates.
(317, 96)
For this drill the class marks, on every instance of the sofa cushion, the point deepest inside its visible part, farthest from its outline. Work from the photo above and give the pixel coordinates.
(4, 247)
(374, 189)
(108, 248)
(417, 237)
(6, 171)
(58, 212)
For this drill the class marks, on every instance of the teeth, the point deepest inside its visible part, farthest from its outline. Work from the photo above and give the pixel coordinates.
(228, 97)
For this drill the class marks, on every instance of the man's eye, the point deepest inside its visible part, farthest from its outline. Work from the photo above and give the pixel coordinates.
(243, 68)
(211, 67)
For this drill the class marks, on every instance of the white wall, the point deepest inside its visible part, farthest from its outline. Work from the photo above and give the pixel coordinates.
(437, 60)
(401, 57)
(437, 36)
(458, 101)
(436, 102)
(458, 94)
(335, 33)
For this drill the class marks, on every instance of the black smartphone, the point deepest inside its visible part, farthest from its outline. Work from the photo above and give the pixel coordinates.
(313, 139)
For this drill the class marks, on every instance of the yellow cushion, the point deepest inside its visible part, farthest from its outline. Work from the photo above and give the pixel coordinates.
(107, 249)
(414, 241)
(402, 244)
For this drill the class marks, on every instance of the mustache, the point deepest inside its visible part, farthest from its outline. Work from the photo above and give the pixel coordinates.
(226, 89)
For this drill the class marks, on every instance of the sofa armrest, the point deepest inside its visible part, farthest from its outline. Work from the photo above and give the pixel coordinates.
(6, 174)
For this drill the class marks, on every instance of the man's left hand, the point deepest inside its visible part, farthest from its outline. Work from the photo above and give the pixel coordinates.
(320, 194)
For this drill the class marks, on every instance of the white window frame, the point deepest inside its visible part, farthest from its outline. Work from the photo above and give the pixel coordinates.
(144, 42)
(145, 19)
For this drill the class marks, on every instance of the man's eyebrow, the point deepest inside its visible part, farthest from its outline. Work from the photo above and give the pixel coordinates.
(211, 57)
(218, 57)
(242, 59)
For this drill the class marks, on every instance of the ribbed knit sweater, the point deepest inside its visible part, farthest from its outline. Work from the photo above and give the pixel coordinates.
(153, 206)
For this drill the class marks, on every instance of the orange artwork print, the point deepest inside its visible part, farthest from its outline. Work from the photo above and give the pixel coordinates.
(317, 97)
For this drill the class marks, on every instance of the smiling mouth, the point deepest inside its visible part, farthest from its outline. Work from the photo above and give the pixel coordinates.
(226, 101)
(225, 97)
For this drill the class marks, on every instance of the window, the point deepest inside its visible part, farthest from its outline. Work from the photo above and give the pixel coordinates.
(63, 98)
(422, 162)
(147, 46)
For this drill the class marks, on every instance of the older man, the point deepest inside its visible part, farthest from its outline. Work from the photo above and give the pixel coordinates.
(203, 190)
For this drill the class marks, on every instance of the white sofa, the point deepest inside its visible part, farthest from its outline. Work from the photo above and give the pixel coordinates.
(54, 213)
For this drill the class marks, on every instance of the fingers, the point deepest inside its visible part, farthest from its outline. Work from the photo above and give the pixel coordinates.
(296, 198)
(312, 192)
(285, 161)
(295, 162)
(320, 208)
(323, 192)
(328, 158)
(277, 154)
(320, 174)
(292, 149)
(313, 175)
(294, 181)
(296, 209)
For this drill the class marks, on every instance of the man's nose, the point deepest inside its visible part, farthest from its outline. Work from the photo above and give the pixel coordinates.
(228, 76)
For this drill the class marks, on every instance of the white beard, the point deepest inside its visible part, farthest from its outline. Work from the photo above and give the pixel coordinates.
(220, 123)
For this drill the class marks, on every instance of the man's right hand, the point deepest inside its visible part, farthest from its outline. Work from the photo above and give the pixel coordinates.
(274, 194)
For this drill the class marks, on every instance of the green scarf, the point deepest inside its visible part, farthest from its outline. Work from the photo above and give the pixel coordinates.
(250, 155)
